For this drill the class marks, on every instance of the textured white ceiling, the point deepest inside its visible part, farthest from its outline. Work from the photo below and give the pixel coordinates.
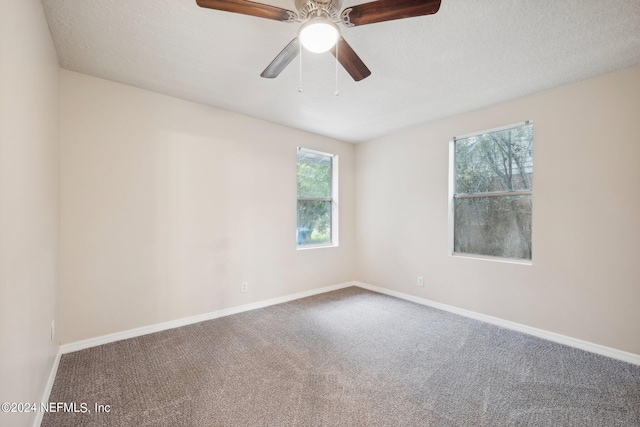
(471, 54)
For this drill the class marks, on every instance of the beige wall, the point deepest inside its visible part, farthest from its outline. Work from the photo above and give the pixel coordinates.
(585, 277)
(167, 206)
(29, 203)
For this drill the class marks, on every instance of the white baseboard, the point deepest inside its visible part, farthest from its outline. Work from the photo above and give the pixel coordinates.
(551, 336)
(540, 333)
(131, 333)
(47, 389)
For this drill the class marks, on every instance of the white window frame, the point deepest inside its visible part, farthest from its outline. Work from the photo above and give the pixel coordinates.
(452, 196)
(334, 220)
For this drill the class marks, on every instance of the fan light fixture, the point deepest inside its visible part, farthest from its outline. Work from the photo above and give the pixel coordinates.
(318, 35)
(319, 32)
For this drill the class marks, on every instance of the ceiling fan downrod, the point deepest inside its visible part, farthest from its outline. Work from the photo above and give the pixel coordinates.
(325, 8)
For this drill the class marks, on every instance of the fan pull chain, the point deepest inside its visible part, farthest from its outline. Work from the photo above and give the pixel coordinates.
(337, 53)
(300, 55)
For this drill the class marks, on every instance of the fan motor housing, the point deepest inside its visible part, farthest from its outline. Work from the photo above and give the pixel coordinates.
(327, 8)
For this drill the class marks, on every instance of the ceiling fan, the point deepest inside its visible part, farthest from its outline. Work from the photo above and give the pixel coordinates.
(319, 31)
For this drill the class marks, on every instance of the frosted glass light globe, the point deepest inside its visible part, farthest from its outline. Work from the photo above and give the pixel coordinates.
(318, 35)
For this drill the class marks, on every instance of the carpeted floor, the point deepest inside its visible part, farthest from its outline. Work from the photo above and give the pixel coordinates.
(345, 358)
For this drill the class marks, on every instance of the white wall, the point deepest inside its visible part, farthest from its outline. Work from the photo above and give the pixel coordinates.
(29, 203)
(167, 206)
(585, 277)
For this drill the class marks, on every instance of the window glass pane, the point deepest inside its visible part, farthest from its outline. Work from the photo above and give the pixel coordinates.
(314, 222)
(497, 161)
(314, 175)
(496, 226)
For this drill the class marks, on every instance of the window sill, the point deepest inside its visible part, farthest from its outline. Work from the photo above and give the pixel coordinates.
(307, 247)
(491, 258)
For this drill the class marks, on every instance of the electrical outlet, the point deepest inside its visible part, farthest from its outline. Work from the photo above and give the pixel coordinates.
(420, 281)
(245, 287)
(53, 329)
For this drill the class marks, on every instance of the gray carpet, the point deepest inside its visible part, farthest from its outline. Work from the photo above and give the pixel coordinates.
(345, 358)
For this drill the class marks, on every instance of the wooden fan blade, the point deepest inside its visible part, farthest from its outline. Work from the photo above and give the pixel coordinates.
(247, 7)
(350, 60)
(388, 10)
(282, 60)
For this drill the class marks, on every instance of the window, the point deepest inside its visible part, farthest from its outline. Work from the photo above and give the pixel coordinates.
(491, 192)
(317, 199)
